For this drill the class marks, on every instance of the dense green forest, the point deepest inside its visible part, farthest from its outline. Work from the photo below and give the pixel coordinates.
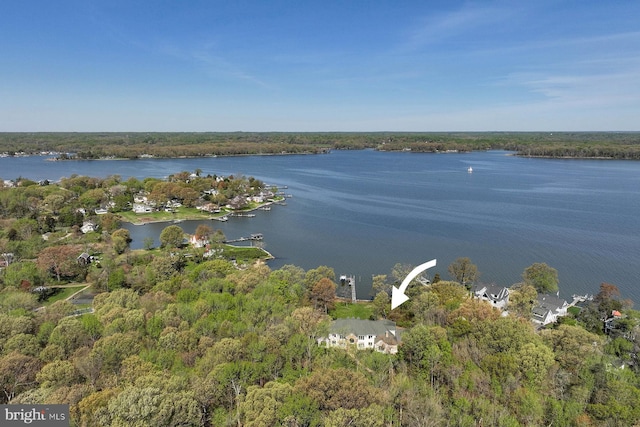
(166, 336)
(615, 145)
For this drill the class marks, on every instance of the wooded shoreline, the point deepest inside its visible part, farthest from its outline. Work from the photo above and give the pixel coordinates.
(132, 145)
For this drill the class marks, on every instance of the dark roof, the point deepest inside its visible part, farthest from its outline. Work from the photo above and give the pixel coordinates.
(550, 302)
(492, 291)
(539, 313)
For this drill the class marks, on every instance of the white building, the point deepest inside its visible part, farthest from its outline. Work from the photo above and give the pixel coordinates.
(548, 310)
(141, 208)
(88, 227)
(498, 296)
(378, 335)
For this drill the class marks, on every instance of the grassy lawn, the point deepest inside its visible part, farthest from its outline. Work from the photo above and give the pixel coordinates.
(181, 213)
(360, 310)
(63, 293)
(574, 310)
(239, 253)
(243, 253)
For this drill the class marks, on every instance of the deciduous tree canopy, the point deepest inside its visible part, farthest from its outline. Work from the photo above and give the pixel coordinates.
(542, 277)
(176, 338)
(172, 237)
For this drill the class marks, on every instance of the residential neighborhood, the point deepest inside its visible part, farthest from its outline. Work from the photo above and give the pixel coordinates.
(227, 330)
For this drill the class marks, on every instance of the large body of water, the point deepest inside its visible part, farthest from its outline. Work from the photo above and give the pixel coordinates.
(361, 212)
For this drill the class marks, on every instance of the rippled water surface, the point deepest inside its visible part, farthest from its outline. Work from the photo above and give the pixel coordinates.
(361, 212)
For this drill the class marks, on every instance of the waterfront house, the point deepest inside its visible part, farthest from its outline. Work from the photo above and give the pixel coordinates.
(198, 242)
(209, 207)
(141, 208)
(497, 296)
(237, 202)
(378, 335)
(611, 325)
(548, 309)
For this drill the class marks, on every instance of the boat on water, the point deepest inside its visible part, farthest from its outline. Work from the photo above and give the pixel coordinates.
(470, 169)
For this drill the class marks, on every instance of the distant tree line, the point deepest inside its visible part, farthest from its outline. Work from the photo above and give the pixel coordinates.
(610, 145)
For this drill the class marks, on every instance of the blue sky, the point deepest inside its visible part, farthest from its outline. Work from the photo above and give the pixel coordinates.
(258, 65)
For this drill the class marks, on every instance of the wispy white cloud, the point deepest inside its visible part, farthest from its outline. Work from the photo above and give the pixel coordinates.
(599, 89)
(532, 116)
(204, 55)
(218, 66)
(606, 39)
(593, 47)
(201, 53)
(603, 81)
(439, 27)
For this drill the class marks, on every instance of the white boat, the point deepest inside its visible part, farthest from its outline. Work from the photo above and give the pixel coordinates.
(470, 169)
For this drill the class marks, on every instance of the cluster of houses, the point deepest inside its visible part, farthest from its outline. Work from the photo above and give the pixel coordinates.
(547, 310)
(383, 335)
(142, 204)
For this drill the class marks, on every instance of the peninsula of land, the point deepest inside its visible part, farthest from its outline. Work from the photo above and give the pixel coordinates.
(199, 332)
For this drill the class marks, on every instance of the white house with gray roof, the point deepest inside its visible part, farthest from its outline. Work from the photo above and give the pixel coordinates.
(548, 310)
(498, 296)
(378, 335)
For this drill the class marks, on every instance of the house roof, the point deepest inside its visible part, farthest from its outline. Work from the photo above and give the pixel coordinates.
(389, 340)
(539, 313)
(492, 291)
(551, 302)
(362, 327)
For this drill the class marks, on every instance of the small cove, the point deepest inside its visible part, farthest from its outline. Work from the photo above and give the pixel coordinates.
(361, 212)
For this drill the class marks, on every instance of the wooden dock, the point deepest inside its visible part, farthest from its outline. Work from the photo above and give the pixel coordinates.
(351, 281)
(257, 236)
(577, 299)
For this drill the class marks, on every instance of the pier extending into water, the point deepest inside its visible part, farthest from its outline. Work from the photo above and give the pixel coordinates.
(351, 281)
(256, 236)
(577, 299)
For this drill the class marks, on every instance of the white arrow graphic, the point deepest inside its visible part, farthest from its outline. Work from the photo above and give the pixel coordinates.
(397, 294)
